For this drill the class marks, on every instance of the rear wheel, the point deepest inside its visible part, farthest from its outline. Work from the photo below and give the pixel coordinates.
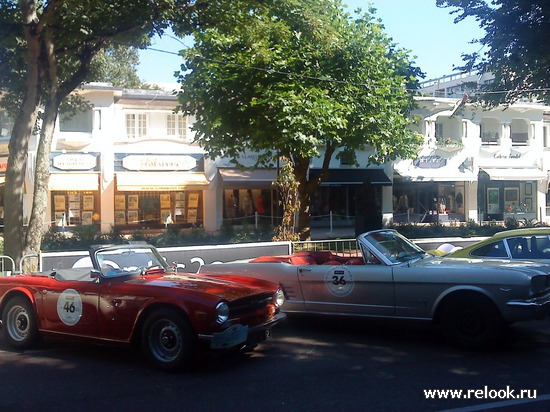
(471, 322)
(19, 323)
(167, 340)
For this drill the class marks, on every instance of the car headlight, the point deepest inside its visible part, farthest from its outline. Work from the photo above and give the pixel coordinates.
(279, 298)
(222, 312)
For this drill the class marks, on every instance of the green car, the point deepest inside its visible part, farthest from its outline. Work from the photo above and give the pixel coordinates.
(524, 244)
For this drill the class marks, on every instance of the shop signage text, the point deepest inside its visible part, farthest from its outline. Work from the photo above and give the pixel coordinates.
(141, 162)
(75, 161)
(430, 162)
(508, 156)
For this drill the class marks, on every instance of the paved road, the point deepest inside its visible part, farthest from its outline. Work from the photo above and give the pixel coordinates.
(311, 364)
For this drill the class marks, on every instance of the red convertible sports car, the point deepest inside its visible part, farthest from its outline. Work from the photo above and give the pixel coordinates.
(129, 294)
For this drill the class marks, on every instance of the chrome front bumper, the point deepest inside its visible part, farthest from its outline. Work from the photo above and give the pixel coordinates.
(241, 334)
(538, 307)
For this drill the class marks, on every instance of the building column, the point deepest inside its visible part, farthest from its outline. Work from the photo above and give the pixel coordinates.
(210, 203)
(471, 206)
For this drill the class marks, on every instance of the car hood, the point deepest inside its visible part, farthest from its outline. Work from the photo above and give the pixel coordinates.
(202, 284)
(523, 266)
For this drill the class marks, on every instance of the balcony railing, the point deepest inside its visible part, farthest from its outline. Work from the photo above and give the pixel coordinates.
(520, 138)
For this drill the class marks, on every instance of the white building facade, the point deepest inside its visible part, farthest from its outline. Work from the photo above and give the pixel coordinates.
(130, 163)
(476, 164)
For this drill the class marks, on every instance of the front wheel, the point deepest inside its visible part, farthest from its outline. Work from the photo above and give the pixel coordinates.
(19, 321)
(471, 322)
(167, 340)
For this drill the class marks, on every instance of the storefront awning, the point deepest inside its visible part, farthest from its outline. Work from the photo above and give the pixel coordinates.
(233, 177)
(443, 174)
(437, 166)
(353, 177)
(515, 173)
(160, 181)
(74, 181)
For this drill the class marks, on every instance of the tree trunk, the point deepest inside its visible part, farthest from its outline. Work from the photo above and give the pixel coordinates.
(35, 231)
(305, 190)
(15, 181)
(23, 129)
(42, 176)
(308, 187)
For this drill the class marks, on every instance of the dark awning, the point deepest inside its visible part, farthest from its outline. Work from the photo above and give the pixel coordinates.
(239, 178)
(525, 173)
(353, 177)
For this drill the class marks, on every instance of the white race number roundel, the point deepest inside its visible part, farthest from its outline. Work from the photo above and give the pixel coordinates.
(69, 307)
(339, 281)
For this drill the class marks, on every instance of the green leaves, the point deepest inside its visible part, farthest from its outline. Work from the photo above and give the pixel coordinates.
(514, 47)
(290, 76)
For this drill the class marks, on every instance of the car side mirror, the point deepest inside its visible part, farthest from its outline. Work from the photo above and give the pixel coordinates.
(95, 274)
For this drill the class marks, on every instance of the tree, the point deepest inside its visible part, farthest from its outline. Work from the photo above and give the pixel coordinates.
(47, 50)
(287, 187)
(299, 79)
(117, 65)
(515, 44)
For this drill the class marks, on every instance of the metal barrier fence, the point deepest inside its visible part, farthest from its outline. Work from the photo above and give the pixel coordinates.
(195, 256)
(342, 247)
(12, 269)
(3, 268)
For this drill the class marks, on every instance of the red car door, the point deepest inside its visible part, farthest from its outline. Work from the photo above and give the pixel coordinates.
(119, 306)
(71, 307)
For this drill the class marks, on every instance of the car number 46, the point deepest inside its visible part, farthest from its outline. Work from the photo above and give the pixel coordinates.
(69, 307)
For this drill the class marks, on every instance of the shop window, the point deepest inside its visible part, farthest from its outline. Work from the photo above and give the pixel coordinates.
(241, 206)
(6, 124)
(489, 137)
(176, 125)
(339, 203)
(439, 131)
(519, 132)
(157, 209)
(520, 138)
(136, 125)
(81, 121)
(75, 208)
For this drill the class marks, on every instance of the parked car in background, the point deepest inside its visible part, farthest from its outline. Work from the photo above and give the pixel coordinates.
(525, 244)
(129, 294)
(391, 277)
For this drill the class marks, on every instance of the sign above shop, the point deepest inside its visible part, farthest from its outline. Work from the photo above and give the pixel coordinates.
(430, 162)
(74, 161)
(507, 156)
(152, 162)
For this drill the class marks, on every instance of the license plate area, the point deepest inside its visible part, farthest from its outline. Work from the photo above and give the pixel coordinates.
(230, 337)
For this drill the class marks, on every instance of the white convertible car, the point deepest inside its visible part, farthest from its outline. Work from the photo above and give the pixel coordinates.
(471, 299)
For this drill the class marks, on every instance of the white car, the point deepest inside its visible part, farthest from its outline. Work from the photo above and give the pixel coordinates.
(391, 277)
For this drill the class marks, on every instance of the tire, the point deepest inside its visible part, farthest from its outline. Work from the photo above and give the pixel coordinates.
(19, 323)
(167, 340)
(471, 322)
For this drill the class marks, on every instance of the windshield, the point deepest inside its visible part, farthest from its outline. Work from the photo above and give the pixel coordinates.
(393, 246)
(123, 261)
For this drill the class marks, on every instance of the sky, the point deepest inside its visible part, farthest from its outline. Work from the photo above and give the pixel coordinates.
(416, 25)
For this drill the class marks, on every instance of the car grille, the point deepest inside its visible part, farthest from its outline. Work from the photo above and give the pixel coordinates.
(252, 310)
(250, 303)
